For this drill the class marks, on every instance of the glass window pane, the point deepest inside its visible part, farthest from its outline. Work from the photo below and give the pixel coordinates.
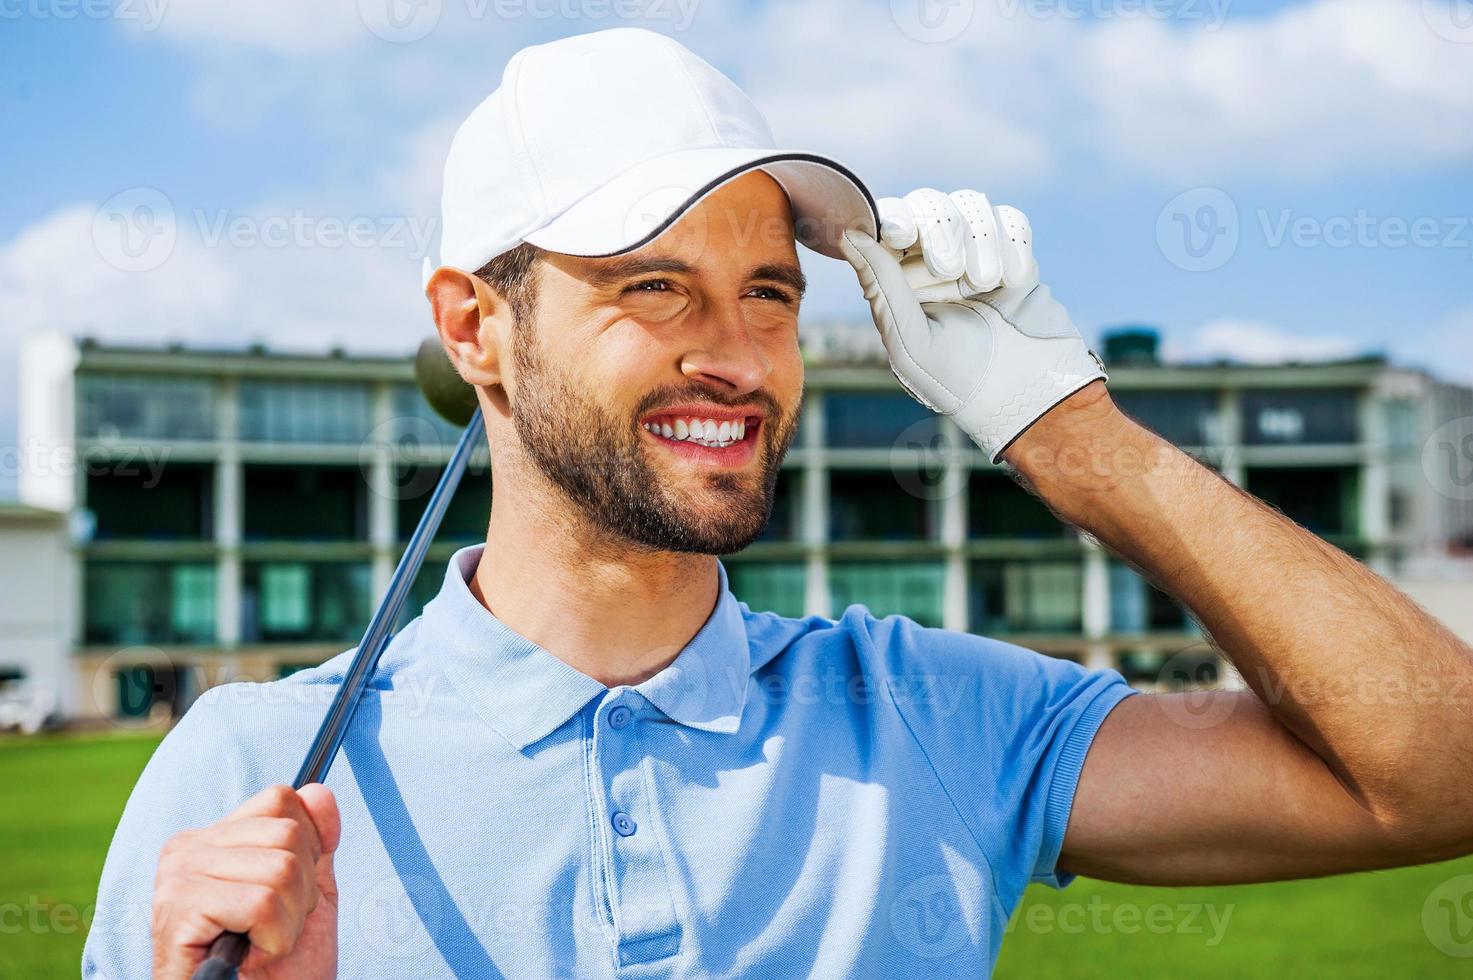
(783, 525)
(1326, 500)
(1275, 417)
(874, 506)
(907, 588)
(142, 406)
(1026, 597)
(304, 411)
(130, 603)
(997, 507)
(129, 499)
(305, 503)
(1186, 418)
(467, 516)
(768, 586)
(875, 420)
(295, 601)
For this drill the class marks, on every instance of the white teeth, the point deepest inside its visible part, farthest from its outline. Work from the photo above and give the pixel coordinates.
(666, 430)
(710, 430)
(723, 432)
(681, 429)
(739, 429)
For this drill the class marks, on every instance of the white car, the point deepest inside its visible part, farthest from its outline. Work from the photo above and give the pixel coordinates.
(26, 707)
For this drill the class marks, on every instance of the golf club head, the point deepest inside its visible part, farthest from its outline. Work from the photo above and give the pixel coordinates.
(451, 398)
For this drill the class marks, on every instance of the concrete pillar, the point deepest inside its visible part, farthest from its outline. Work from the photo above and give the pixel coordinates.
(229, 514)
(1374, 515)
(813, 515)
(383, 511)
(1096, 590)
(1230, 435)
(953, 503)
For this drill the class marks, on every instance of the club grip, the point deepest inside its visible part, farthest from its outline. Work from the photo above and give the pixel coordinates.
(227, 953)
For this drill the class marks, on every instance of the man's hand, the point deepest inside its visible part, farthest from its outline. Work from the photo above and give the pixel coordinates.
(265, 870)
(971, 333)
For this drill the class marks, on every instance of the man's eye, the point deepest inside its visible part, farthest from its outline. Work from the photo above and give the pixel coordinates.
(650, 286)
(768, 292)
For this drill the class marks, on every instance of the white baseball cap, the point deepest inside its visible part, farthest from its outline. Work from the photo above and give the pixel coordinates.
(595, 144)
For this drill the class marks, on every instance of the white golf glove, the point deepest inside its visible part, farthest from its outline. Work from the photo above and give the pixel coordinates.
(971, 333)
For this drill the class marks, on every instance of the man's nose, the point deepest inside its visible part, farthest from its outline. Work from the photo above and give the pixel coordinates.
(725, 355)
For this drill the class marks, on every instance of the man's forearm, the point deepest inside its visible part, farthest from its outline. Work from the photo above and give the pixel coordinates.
(1357, 671)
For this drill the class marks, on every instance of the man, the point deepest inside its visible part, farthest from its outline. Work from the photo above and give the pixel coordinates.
(587, 759)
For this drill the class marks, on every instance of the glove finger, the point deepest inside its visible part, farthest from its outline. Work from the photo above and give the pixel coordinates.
(942, 233)
(983, 257)
(1019, 267)
(897, 314)
(897, 224)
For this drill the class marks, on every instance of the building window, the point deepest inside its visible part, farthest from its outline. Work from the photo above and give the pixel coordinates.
(138, 406)
(1314, 416)
(304, 601)
(769, 586)
(1026, 597)
(783, 525)
(128, 499)
(1137, 606)
(419, 424)
(129, 603)
(1186, 418)
(305, 503)
(304, 411)
(997, 507)
(907, 588)
(1325, 499)
(876, 420)
(468, 514)
(875, 506)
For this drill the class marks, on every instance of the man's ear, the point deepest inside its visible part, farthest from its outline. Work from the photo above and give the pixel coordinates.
(474, 323)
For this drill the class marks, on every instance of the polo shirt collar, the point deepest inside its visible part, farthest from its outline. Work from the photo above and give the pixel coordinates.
(525, 693)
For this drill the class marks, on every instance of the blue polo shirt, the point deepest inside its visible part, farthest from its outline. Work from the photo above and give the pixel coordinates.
(789, 798)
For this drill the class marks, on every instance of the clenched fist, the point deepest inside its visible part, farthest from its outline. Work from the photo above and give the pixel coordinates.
(266, 871)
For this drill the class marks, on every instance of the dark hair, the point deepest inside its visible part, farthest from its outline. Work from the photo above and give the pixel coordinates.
(513, 275)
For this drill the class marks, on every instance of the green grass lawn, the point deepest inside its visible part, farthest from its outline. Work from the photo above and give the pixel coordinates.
(63, 795)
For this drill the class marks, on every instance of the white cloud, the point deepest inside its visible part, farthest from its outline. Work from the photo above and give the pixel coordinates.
(1446, 350)
(1323, 87)
(298, 27)
(1255, 342)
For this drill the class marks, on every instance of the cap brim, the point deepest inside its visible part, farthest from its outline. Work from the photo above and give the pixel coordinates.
(635, 207)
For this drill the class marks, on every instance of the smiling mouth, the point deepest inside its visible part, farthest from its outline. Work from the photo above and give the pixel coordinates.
(699, 431)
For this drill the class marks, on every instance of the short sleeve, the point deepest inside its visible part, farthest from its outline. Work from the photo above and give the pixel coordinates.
(1005, 729)
(194, 778)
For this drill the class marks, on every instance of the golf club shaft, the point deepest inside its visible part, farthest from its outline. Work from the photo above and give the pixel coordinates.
(229, 951)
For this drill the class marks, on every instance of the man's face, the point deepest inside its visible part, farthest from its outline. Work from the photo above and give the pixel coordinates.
(660, 389)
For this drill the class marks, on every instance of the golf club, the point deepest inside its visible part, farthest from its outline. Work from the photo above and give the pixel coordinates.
(454, 401)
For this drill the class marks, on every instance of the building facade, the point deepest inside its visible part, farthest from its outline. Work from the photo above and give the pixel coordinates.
(237, 513)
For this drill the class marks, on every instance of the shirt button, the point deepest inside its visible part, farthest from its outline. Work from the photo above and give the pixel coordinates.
(620, 716)
(623, 825)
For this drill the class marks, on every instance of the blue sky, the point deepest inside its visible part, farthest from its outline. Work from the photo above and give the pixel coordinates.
(1318, 151)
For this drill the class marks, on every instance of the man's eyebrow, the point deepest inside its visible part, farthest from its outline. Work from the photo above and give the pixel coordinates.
(783, 272)
(622, 268)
